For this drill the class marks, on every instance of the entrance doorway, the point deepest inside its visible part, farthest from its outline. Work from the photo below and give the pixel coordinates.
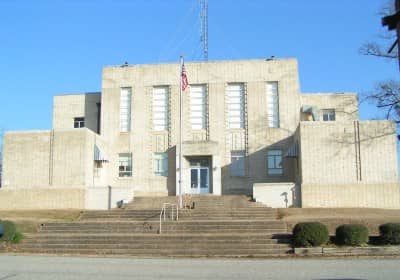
(199, 175)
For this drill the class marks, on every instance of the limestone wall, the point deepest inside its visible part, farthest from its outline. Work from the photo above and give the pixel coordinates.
(42, 198)
(68, 107)
(344, 104)
(48, 158)
(349, 164)
(26, 159)
(348, 152)
(256, 138)
(384, 195)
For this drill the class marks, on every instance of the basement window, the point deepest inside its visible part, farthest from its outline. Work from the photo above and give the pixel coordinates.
(125, 165)
(160, 164)
(79, 122)
(274, 162)
(328, 115)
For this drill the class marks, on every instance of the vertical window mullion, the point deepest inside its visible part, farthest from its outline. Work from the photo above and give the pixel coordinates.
(197, 107)
(160, 108)
(272, 95)
(235, 104)
(125, 109)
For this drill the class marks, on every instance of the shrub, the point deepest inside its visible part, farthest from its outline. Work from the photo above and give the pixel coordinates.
(390, 233)
(10, 232)
(310, 234)
(352, 234)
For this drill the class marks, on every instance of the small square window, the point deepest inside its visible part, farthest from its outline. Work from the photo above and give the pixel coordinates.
(328, 115)
(160, 163)
(125, 165)
(274, 162)
(79, 122)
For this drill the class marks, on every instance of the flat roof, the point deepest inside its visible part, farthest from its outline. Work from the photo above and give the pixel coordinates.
(78, 93)
(270, 59)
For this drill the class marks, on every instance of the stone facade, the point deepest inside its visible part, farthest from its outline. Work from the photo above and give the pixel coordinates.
(248, 128)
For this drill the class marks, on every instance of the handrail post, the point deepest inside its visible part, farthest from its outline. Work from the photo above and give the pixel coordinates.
(173, 215)
(160, 218)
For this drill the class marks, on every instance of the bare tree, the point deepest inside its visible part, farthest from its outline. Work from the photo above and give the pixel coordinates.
(386, 95)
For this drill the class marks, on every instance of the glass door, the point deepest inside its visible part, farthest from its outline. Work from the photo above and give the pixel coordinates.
(199, 176)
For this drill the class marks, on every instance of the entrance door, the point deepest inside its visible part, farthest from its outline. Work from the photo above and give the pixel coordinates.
(199, 177)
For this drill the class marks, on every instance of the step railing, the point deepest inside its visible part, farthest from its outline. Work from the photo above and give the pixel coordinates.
(174, 213)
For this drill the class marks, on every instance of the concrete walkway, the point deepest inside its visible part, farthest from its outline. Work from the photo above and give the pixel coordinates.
(66, 268)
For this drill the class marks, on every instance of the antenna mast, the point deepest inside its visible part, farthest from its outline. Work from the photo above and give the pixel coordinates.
(204, 27)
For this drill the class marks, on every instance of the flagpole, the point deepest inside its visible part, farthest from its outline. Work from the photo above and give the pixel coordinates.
(180, 133)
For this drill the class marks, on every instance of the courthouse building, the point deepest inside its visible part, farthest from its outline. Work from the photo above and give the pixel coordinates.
(247, 130)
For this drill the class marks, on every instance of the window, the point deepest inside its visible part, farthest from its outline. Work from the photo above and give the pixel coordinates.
(198, 107)
(274, 162)
(125, 165)
(160, 163)
(125, 110)
(79, 122)
(160, 108)
(272, 104)
(328, 115)
(98, 165)
(235, 103)
(237, 163)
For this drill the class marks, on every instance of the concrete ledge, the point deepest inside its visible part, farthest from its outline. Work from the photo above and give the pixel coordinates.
(277, 195)
(107, 197)
(348, 251)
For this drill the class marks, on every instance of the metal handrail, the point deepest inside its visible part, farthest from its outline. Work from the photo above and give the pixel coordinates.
(165, 206)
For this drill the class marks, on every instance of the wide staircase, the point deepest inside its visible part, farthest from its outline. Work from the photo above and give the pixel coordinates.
(209, 226)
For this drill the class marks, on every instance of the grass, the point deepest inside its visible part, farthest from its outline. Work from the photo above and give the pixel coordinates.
(333, 217)
(28, 221)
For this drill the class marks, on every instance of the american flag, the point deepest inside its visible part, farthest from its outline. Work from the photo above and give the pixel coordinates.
(185, 82)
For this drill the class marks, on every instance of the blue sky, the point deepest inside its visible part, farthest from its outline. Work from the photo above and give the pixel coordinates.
(50, 47)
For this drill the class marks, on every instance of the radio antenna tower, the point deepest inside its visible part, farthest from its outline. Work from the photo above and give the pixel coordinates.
(204, 27)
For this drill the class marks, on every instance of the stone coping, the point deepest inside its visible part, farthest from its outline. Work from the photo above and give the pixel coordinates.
(348, 251)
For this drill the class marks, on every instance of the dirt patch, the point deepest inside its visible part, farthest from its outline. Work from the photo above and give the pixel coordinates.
(333, 217)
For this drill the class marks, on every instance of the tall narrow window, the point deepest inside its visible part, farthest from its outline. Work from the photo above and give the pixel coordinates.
(237, 163)
(160, 164)
(272, 104)
(125, 165)
(198, 107)
(328, 115)
(125, 110)
(160, 108)
(79, 122)
(274, 162)
(235, 103)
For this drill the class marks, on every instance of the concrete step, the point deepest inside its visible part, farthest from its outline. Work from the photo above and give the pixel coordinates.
(194, 214)
(225, 226)
(188, 218)
(158, 237)
(171, 226)
(201, 201)
(187, 252)
(155, 237)
(153, 241)
(161, 246)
